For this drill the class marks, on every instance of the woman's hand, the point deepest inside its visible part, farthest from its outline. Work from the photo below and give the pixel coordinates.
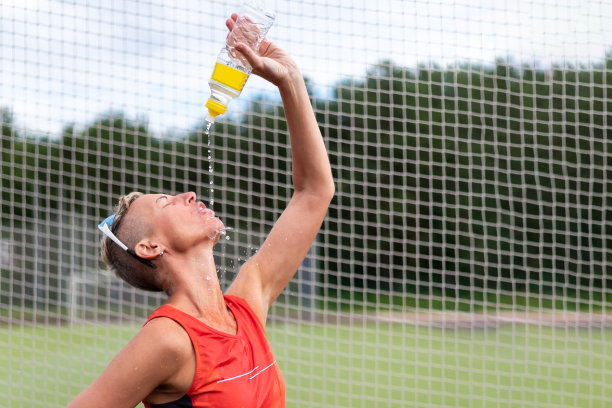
(271, 62)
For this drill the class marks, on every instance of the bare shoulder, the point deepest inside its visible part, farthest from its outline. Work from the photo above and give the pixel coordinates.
(159, 355)
(166, 336)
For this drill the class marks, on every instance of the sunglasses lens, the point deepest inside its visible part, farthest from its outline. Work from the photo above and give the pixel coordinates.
(108, 221)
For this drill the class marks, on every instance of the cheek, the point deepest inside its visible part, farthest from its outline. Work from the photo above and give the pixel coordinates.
(180, 234)
(187, 233)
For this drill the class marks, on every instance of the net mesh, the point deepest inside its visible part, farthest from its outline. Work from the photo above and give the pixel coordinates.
(464, 260)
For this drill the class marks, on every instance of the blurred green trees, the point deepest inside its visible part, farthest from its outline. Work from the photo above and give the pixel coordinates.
(459, 179)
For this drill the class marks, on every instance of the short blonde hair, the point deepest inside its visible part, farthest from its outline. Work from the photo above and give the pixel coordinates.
(120, 262)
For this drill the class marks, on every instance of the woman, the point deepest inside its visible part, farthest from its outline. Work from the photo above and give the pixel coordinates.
(203, 348)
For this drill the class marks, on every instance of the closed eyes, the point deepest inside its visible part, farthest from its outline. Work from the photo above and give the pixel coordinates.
(162, 197)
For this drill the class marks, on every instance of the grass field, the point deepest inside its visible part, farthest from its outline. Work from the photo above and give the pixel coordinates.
(350, 365)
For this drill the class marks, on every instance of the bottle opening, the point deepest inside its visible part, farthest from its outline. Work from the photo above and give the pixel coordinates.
(214, 109)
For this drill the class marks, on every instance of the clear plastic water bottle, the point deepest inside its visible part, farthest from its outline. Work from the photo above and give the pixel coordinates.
(231, 68)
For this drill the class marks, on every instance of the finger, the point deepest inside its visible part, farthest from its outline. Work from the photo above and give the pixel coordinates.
(231, 22)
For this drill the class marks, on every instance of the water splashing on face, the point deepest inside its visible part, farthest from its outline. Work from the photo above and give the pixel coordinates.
(224, 233)
(220, 232)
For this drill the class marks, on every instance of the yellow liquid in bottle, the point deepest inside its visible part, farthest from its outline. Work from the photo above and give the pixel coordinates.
(229, 76)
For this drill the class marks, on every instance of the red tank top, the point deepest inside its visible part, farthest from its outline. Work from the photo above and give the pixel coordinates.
(231, 370)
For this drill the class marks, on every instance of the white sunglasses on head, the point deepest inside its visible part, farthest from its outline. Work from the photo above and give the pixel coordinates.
(105, 228)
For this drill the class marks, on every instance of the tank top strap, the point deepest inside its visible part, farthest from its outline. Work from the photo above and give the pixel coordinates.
(240, 306)
(165, 311)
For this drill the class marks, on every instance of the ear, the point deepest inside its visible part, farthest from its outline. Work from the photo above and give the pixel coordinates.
(148, 249)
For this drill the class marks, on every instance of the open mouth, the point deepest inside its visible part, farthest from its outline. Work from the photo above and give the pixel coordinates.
(203, 210)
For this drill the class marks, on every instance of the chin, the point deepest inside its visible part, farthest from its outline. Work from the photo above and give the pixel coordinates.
(216, 232)
(220, 225)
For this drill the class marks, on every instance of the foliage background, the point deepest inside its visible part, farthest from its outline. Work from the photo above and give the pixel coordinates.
(471, 181)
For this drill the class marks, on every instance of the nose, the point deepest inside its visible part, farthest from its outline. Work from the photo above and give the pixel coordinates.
(188, 198)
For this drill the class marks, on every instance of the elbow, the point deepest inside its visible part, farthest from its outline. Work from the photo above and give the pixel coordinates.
(330, 190)
(326, 191)
(325, 187)
(318, 195)
(328, 186)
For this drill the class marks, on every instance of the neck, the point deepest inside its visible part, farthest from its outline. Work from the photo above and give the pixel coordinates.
(193, 285)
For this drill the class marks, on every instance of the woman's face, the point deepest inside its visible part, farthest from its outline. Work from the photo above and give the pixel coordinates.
(181, 221)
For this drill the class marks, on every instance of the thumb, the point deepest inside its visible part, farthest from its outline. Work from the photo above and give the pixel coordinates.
(249, 54)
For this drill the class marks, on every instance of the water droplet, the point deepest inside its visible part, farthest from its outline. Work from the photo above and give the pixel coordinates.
(211, 166)
(208, 277)
(208, 127)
